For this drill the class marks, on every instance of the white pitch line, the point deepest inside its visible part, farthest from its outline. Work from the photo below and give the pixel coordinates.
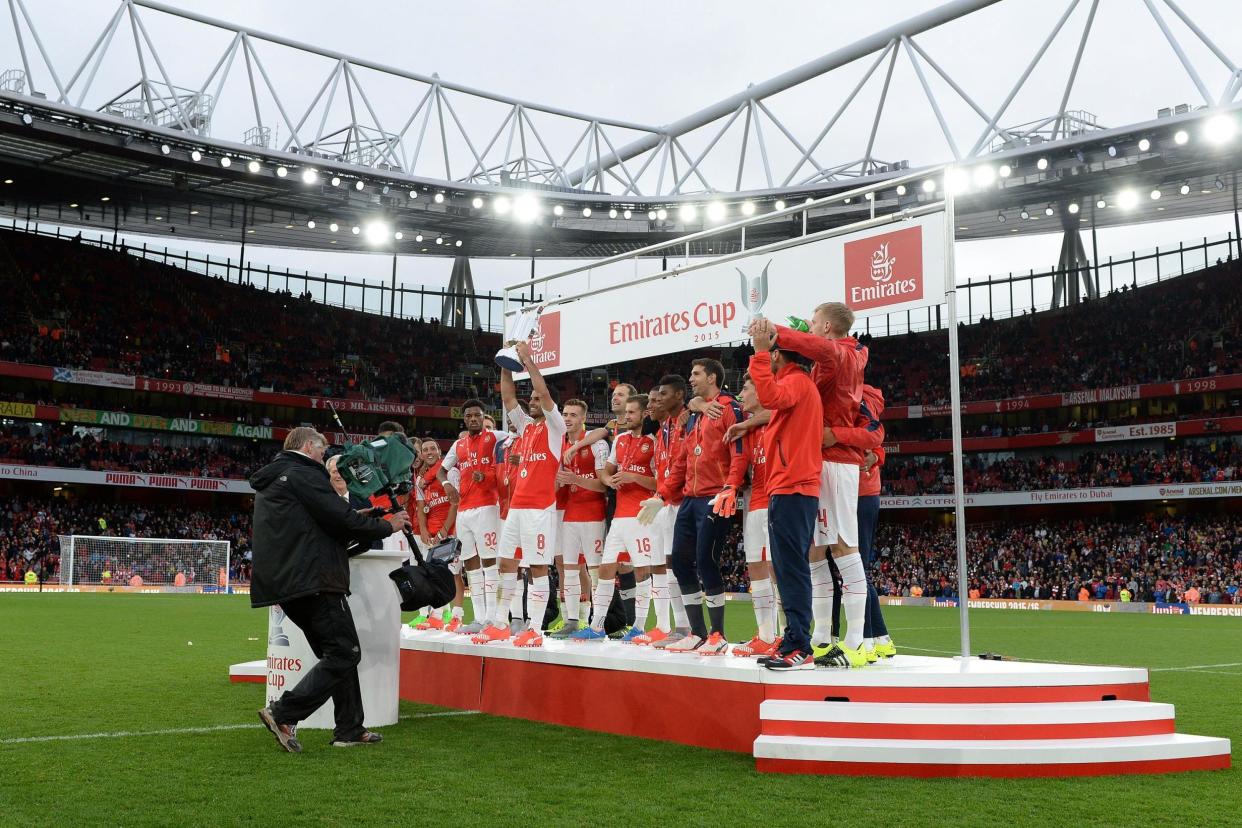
(119, 734)
(1196, 667)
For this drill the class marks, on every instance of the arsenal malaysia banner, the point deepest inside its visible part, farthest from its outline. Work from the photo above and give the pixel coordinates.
(875, 271)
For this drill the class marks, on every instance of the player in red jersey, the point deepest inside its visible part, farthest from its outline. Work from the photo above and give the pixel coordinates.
(478, 516)
(630, 471)
(436, 515)
(581, 491)
(531, 523)
(755, 535)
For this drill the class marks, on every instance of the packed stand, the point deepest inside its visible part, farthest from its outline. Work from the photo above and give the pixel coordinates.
(67, 450)
(1211, 461)
(77, 306)
(30, 528)
(1154, 558)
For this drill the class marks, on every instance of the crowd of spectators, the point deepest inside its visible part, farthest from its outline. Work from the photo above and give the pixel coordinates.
(30, 528)
(1197, 559)
(77, 306)
(1201, 461)
(65, 449)
(1152, 558)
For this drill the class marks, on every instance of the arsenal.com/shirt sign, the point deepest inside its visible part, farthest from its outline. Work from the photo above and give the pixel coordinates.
(890, 269)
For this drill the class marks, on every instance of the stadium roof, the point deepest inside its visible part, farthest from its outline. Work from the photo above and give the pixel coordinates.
(150, 163)
(98, 171)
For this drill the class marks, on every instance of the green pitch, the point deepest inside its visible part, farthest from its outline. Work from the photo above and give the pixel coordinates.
(109, 672)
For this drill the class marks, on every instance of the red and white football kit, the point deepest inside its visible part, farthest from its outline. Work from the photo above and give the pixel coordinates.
(634, 453)
(531, 521)
(478, 517)
(582, 519)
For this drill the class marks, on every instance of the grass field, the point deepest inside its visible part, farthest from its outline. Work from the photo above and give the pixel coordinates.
(108, 672)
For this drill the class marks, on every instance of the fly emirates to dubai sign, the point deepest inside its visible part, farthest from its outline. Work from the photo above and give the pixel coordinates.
(881, 270)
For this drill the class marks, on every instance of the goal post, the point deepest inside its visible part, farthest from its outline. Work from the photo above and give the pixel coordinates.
(167, 564)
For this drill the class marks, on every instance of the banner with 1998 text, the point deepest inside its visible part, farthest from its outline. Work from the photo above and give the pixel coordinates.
(876, 271)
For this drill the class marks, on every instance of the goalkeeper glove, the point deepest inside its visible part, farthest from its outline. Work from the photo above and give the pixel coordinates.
(725, 503)
(648, 510)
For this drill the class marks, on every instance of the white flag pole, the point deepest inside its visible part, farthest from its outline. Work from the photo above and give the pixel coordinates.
(955, 406)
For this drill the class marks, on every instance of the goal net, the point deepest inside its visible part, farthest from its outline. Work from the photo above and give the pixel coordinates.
(165, 563)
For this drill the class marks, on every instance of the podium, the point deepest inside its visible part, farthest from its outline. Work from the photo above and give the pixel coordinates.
(376, 608)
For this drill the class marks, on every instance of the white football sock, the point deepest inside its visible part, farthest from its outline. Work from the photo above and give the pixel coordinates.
(537, 601)
(478, 593)
(642, 602)
(776, 609)
(508, 587)
(853, 597)
(659, 597)
(821, 601)
(491, 588)
(573, 593)
(519, 592)
(681, 621)
(761, 597)
(459, 613)
(603, 597)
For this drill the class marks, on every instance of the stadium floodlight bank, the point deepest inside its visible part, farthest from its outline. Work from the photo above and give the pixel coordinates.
(166, 564)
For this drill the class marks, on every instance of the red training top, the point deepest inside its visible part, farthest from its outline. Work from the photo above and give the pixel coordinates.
(793, 437)
(705, 464)
(838, 374)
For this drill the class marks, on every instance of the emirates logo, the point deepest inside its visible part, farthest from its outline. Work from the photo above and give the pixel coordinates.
(537, 339)
(882, 264)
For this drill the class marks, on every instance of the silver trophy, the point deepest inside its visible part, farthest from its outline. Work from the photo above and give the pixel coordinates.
(519, 329)
(754, 292)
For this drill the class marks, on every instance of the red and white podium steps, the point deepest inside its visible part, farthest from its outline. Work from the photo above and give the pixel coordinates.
(906, 716)
(995, 740)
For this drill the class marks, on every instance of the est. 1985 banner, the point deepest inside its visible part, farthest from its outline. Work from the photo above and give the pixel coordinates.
(876, 271)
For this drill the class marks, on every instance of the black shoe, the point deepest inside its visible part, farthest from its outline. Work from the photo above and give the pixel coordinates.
(796, 660)
(835, 657)
(286, 735)
(365, 738)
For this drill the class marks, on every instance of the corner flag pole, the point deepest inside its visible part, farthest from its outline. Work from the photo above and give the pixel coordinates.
(955, 406)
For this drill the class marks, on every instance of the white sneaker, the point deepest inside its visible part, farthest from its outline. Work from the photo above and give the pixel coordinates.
(686, 645)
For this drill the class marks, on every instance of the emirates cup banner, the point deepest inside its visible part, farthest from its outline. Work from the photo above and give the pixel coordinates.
(876, 271)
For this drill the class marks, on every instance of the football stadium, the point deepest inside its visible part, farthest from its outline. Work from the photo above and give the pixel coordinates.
(846, 427)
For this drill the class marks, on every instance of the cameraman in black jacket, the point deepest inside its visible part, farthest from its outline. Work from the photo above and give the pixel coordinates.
(301, 528)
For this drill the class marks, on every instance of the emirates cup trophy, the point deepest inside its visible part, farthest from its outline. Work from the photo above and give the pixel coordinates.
(517, 330)
(754, 292)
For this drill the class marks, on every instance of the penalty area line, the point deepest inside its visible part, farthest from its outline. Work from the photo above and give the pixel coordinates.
(181, 731)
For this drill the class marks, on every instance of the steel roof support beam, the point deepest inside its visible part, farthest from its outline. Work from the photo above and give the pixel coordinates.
(1177, 49)
(812, 69)
(991, 127)
(1069, 84)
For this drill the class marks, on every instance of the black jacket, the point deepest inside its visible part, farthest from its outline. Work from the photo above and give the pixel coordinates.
(301, 527)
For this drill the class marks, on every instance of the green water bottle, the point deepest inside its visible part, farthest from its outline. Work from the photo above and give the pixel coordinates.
(799, 324)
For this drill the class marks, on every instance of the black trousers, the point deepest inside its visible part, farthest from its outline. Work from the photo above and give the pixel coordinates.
(328, 625)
